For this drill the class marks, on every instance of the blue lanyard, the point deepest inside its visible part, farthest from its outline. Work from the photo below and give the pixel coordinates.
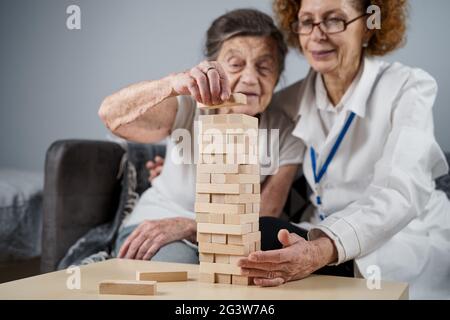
(323, 170)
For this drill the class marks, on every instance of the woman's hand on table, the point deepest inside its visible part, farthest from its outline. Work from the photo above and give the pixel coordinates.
(151, 235)
(296, 260)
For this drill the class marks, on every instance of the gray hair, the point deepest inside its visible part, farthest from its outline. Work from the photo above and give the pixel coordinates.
(244, 22)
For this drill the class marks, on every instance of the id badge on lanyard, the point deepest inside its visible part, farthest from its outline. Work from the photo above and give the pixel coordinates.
(319, 175)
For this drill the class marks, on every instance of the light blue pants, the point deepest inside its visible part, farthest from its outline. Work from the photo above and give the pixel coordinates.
(178, 251)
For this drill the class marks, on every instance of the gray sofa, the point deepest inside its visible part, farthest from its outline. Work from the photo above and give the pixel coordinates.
(81, 190)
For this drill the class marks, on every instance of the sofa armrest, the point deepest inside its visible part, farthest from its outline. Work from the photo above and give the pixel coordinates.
(81, 191)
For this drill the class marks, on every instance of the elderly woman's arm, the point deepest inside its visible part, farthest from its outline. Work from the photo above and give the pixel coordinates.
(142, 112)
(145, 111)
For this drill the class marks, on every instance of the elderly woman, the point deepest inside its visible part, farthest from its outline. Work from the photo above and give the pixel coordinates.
(245, 53)
(369, 155)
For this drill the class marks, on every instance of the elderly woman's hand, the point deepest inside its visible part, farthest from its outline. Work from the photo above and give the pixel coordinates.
(206, 82)
(151, 235)
(298, 259)
(154, 168)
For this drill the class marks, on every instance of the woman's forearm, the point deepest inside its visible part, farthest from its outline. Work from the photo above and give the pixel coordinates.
(143, 112)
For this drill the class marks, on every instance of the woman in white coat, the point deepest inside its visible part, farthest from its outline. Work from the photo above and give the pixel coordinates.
(370, 155)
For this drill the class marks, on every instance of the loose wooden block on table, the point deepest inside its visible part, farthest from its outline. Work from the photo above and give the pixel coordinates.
(127, 287)
(168, 276)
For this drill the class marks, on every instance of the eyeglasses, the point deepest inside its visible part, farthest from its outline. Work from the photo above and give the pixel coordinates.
(328, 26)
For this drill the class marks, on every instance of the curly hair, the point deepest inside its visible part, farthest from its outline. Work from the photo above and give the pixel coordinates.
(390, 37)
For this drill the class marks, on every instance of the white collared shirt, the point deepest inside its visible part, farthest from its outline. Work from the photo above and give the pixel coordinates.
(379, 192)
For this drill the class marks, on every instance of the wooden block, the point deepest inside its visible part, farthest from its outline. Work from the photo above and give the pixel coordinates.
(249, 169)
(258, 246)
(256, 207)
(127, 287)
(235, 99)
(228, 129)
(240, 198)
(222, 258)
(249, 208)
(219, 238)
(217, 218)
(206, 257)
(230, 229)
(220, 208)
(223, 188)
(230, 118)
(244, 239)
(202, 217)
(234, 178)
(241, 280)
(241, 218)
(218, 248)
(206, 277)
(252, 247)
(232, 158)
(255, 226)
(203, 197)
(203, 178)
(256, 188)
(222, 278)
(226, 268)
(218, 168)
(204, 237)
(215, 148)
(166, 276)
(219, 198)
(234, 259)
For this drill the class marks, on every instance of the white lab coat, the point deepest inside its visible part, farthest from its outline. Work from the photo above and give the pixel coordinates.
(379, 193)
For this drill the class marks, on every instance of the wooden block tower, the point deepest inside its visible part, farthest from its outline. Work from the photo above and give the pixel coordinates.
(227, 195)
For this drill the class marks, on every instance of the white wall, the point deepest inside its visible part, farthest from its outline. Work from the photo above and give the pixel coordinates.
(53, 80)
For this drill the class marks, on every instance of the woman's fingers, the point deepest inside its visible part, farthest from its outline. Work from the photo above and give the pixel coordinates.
(247, 264)
(274, 256)
(268, 274)
(203, 85)
(156, 245)
(268, 282)
(214, 85)
(134, 246)
(126, 245)
(143, 249)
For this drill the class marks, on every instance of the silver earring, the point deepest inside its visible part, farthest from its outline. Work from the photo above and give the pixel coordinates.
(365, 45)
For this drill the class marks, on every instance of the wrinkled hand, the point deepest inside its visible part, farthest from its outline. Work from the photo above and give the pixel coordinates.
(154, 168)
(206, 82)
(297, 260)
(151, 235)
